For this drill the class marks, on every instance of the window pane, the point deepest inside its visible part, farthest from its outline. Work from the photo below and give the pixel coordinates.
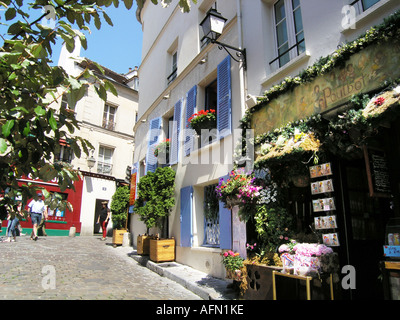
(285, 58)
(368, 3)
(298, 23)
(279, 11)
(281, 33)
(302, 46)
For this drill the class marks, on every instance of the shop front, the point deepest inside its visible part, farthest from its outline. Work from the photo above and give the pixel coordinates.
(59, 222)
(330, 140)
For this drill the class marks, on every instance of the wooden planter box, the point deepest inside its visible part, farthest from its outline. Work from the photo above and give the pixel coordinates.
(162, 250)
(143, 244)
(118, 236)
(259, 282)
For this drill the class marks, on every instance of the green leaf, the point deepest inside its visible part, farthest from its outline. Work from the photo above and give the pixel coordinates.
(40, 111)
(6, 128)
(108, 19)
(128, 4)
(10, 13)
(3, 145)
(53, 122)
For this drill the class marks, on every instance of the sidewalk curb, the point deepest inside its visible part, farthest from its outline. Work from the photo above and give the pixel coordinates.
(200, 283)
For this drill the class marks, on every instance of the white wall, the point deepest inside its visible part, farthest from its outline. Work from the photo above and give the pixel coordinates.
(93, 189)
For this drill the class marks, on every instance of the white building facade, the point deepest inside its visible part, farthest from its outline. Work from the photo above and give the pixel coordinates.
(180, 74)
(107, 125)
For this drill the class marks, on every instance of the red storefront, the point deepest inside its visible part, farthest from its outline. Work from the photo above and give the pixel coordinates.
(59, 222)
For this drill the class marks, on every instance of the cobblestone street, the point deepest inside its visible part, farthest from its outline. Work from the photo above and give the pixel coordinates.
(84, 268)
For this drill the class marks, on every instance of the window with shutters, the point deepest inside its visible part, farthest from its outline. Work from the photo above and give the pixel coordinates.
(153, 139)
(211, 216)
(176, 130)
(191, 108)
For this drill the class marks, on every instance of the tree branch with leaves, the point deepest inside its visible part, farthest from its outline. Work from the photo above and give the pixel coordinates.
(31, 123)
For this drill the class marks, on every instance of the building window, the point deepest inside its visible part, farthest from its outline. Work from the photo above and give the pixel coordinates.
(65, 153)
(174, 67)
(104, 162)
(362, 5)
(211, 216)
(289, 31)
(109, 117)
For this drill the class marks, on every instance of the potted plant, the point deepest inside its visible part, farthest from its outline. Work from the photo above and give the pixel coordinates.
(155, 199)
(239, 189)
(119, 213)
(233, 263)
(204, 119)
(162, 151)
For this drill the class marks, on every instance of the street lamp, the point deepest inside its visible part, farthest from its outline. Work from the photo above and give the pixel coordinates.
(213, 25)
(91, 162)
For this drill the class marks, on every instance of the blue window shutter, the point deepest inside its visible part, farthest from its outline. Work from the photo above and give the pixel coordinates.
(190, 109)
(186, 216)
(224, 98)
(225, 225)
(154, 134)
(176, 129)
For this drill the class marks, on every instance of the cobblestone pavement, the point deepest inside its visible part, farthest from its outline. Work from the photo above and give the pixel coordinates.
(84, 268)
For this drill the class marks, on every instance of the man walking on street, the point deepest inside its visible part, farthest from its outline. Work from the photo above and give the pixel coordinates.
(37, 208)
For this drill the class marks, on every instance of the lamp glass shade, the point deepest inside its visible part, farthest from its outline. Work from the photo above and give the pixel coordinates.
(213, 24)
(91, 162)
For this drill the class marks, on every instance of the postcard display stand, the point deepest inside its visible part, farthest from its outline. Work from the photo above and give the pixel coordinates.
(323, 201)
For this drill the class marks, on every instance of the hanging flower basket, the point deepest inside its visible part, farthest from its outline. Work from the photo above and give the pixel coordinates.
(162, 151)
(204, 119)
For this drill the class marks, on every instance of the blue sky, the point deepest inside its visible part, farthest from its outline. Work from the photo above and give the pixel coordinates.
(117, 48)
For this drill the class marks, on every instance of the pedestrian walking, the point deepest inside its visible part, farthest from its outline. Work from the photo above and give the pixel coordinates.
(14, 213)
(104, 218)
(37, 208)
(41, 229)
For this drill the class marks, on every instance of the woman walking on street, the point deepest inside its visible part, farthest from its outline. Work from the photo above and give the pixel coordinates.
(14, 214)
(104, 218)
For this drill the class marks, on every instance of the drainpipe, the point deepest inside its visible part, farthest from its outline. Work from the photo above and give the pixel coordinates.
(242, 71)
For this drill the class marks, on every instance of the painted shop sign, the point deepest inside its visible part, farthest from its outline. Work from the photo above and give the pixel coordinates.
(363, 72)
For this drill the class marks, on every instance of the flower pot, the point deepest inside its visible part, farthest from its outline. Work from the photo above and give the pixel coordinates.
(143, 244)
(206, 124)
(235, 275)
(118, 236)
(231, 202)
(162, 250)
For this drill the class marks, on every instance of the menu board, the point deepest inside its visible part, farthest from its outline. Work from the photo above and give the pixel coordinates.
(377, 172)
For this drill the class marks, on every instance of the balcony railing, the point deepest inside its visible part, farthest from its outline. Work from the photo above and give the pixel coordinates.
(109, 125)
(104, 168)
